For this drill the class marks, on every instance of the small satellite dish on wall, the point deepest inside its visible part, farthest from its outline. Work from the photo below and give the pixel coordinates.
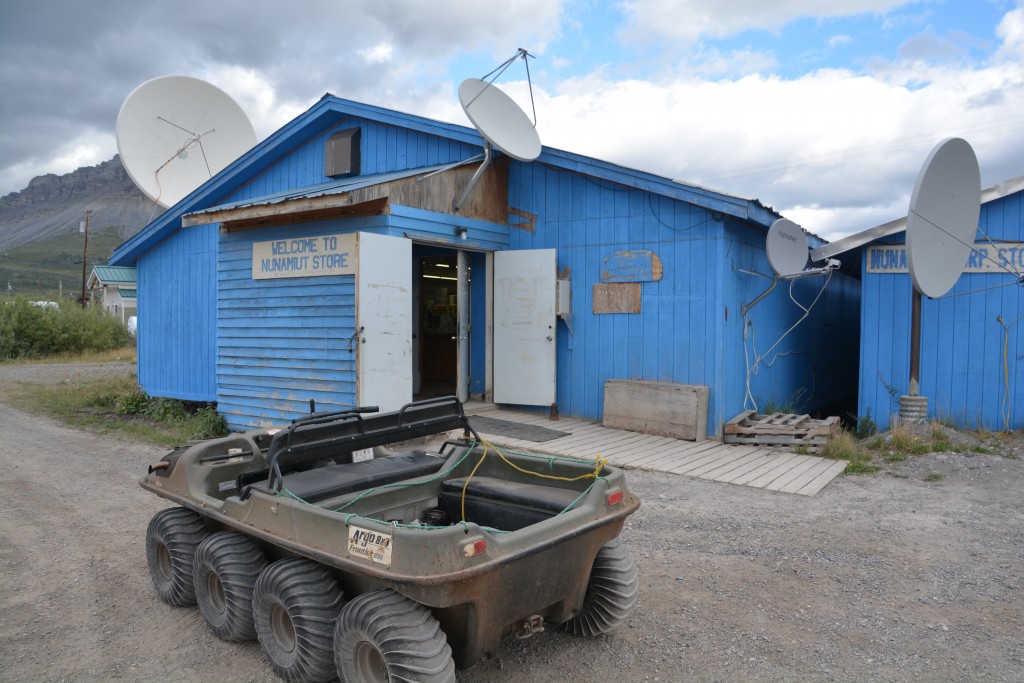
(176, 132)
(499, 119)
(787, 247)
(943, 217)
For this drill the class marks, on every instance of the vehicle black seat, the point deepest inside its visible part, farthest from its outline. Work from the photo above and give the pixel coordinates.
(505, 505)
(336, 480)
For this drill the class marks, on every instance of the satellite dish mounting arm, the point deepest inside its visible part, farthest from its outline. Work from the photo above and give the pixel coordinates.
(457, 204)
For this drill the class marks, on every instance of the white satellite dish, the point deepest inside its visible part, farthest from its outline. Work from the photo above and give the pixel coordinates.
(943, 217)
(176, 132)
(787, 247)
(499, 119)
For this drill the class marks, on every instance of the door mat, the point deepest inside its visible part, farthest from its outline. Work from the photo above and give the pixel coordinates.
(514, 430)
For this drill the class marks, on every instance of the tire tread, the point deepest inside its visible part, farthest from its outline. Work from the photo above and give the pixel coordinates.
(612, 592)
(405, 633)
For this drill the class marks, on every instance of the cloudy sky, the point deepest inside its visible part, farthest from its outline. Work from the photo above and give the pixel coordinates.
(823, 109)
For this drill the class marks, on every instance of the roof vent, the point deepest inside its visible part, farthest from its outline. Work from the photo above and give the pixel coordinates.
(341, 154)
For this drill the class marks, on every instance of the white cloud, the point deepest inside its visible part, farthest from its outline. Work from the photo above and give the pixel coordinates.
(834, 150)
(714, 63)
(688, 21)
(257, 98)
(378, 54)
(839, 150)
(1011, 31)
(89, 148)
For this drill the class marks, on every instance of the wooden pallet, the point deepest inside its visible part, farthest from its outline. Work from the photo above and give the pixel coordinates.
(781, 430)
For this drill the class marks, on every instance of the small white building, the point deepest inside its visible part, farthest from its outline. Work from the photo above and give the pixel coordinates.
(114, 288)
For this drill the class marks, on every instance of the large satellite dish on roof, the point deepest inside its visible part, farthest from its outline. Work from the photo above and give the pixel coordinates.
(499, 119)
(943, 217)
(940, 225)
(176, 132)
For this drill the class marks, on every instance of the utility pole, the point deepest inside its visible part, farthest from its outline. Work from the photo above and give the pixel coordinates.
(85, 252)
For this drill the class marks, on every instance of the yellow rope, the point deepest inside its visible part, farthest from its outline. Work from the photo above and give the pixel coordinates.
(464, 486)
(599, 465)
(598, 460)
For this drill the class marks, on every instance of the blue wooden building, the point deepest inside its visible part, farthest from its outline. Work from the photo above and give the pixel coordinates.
(971, 342)
(328, 263)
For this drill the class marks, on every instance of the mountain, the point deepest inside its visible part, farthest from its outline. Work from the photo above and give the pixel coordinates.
(54, 205)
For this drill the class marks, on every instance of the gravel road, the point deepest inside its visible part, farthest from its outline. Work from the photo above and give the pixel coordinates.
(887, 578)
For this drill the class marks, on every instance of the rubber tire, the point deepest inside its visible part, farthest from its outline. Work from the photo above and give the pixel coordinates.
(224, 573)
(394, 636)
(171, 541)
(612, 592)
(300, 596)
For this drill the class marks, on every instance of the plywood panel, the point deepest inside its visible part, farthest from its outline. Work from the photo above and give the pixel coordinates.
(617, 297)
(679, 411)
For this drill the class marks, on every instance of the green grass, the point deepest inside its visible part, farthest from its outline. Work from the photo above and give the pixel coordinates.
(115, 404)
(934, 476)
(38, 269)
(861, 468)
(900, 438)
(844, 447)
(126, 354)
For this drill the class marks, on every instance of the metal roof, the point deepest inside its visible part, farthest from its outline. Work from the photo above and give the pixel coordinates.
(127, 293)
(323, 189)
(113, 275)
(330, 110)
(859, 239)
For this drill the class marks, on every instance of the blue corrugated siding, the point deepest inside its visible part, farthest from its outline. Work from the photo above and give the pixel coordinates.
(177, 337)
(963, 344)
(815, 364)
(383, 148)
(587, 220)
(689, 329)
(283, 341)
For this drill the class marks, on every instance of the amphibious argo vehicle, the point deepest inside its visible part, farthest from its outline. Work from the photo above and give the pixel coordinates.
(399, 567)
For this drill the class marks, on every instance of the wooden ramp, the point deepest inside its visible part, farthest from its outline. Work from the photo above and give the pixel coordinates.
(755, 466)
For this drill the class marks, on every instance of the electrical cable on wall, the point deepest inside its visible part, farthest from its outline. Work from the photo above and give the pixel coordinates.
(748, 331)
(1006, 408)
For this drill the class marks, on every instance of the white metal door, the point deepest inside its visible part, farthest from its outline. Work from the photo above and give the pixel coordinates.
(524, 326)
(384, 321)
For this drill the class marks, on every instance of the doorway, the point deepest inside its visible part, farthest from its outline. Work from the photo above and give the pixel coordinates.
(435, 321)
(450, 348)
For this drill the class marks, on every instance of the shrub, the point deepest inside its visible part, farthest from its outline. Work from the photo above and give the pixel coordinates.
(866, 426)
(840, 447)
(207, 423)
(28, 331)
(165, 410)
(134, 401)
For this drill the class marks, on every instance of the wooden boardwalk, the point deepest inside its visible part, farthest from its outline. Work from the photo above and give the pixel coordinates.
(757, 467)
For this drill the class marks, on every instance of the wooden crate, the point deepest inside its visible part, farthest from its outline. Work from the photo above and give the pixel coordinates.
(780, 430)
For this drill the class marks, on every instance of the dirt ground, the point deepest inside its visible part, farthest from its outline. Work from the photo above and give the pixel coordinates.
(899, 576)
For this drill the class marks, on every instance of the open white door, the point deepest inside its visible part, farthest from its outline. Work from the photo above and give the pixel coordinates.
(384, 321)
(524, 326)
